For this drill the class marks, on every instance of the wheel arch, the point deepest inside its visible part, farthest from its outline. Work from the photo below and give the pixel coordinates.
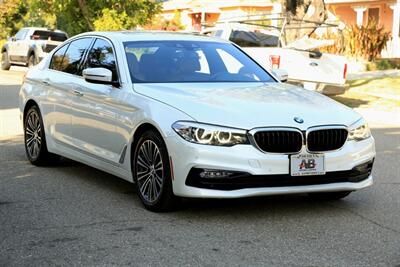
(31, 50)
(30, 103)
(145, 126)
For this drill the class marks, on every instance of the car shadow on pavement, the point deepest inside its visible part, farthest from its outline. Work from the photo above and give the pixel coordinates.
(74, 173)
(12, 150)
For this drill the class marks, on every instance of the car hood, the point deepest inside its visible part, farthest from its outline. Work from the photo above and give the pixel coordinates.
(250, 105)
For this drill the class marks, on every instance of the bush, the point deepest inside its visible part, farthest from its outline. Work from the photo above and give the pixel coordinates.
(383, 64)
(365, 42)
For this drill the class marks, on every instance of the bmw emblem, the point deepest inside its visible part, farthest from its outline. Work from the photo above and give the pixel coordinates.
(298, 120)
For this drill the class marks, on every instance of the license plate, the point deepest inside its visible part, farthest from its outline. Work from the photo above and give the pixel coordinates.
(307, 164)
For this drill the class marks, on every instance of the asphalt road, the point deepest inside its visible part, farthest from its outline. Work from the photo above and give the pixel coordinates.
(71, 214)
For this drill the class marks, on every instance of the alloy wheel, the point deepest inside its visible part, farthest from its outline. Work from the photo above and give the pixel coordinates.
(150, 171)
(33, 130)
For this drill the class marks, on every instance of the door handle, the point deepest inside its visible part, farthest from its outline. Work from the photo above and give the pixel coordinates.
(78, 93)
(46, 82)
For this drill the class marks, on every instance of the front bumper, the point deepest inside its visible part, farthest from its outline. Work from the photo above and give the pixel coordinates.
(246, 158)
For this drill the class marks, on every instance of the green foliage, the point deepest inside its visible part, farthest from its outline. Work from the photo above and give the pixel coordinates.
(159, 23)
(383, 64)
(75, 16)
(111, 21)
(11, 17)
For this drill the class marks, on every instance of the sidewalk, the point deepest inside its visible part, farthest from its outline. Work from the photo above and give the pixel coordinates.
(10, 123)
(373, 74)
(380, 118)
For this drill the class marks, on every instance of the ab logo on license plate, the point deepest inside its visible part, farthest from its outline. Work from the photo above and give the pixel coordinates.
(307, 164)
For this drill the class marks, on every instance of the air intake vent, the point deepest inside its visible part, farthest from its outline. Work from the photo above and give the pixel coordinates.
(279, 141)
(326, 139)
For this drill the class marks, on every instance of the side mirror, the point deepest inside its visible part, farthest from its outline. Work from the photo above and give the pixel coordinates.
(280, 74)
(11, 39)
(98, 75)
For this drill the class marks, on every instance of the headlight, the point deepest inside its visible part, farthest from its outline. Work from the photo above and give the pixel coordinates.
(359, 131)
(210, 134)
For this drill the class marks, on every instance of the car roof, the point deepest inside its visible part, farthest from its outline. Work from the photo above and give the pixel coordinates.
(127, 36)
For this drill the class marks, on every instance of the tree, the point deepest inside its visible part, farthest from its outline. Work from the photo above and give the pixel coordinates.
(312, 10)
(160, 23)
(11, 16)
(76, 16)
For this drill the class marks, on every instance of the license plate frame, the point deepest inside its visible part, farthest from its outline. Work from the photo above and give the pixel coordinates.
(307, 164)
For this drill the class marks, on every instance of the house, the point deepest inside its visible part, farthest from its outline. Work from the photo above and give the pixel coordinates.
(194, 14)
(385, 12)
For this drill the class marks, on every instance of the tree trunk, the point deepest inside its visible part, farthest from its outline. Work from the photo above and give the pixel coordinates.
(313, 10)
(85, 13)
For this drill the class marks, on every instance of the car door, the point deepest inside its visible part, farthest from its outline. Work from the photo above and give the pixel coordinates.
(15, 46)
(62, 77)
(96, 107)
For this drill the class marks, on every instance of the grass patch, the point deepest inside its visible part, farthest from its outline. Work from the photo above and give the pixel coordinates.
(387, 85)
(377, 93)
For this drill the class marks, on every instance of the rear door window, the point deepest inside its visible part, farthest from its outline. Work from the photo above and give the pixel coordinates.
(21, 34)
(73, 58)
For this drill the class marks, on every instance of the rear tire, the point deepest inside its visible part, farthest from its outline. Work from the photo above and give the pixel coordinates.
(329, 195)
(5, 62)
(35, 140)
(152, 173)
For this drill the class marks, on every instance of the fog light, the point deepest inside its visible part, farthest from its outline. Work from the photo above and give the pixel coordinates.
(206, 173)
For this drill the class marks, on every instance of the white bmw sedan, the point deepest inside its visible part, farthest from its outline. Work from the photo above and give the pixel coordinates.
(189, 116)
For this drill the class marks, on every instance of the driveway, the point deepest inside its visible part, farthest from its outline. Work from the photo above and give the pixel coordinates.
(71, 214)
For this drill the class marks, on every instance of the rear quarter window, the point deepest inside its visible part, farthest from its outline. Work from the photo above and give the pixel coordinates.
(57, 58)
(69, 58)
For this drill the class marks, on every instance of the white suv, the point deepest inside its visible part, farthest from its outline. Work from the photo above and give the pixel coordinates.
(29, 46)
(189, 116)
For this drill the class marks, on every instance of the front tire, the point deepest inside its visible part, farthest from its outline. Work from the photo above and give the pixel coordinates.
(328, 196)
(35, 141)
(152, 174)
(5, 62)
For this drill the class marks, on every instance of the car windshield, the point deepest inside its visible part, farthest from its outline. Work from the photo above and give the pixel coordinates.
(254, 39)
(191, 61)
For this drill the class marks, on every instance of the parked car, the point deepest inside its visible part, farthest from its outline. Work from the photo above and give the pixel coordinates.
(322, 72)
(189, 116)
(29, 46)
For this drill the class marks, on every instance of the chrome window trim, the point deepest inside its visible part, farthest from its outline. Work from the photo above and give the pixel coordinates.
(84, 58)
(253, 131)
